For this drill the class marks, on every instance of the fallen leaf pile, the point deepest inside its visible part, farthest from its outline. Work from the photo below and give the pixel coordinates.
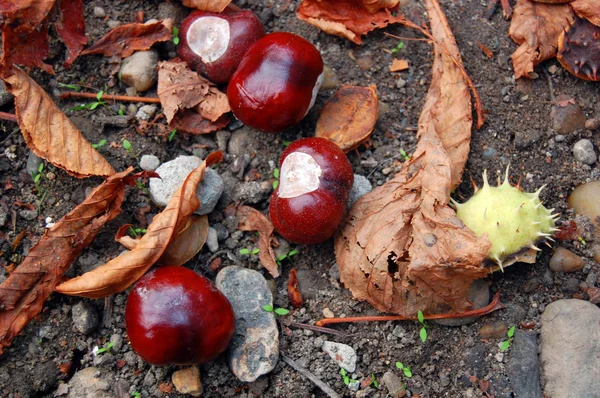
(23, 293)
(402, 248)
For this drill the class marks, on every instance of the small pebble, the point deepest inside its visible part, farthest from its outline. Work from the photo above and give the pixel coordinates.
(212, 241)
(592, 124)
(583, 151)
(85, 318)
(29, 215)
(327, 313)
(584, 200)
(50, 176)
(360, 187)
(330, 79)
(342, 354)
(567, 116)
(149, 162)
(146, 112)
(564, 260)
(140, 70)
(187, 381)
(99, 12)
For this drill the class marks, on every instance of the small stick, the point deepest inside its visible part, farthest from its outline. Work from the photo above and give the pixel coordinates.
(491, 307)
(307, 373)
(314, 328)
(551, 86)
(127, 98)
(11, 117)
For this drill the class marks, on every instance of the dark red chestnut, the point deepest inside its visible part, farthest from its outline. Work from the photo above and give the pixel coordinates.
(175, 316)
(315, 179)
(214, 44)
(276, 83)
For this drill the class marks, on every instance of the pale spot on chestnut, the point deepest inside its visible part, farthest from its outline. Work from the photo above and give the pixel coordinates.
(209, 37)
(315, 91)
(300, 174)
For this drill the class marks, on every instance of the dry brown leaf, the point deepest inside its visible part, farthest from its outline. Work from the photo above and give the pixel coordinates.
(588, 9)
(191, 103)
(402, 248)
(49, 133)
(187, 243)
(349, 116)
(553, 1)
(71, 28)
(536, 28)
(207, 5)
(251, 219)
(121, 272)
(345, 18)
(124, 40)
(488, 53)
(24, 15)
(398, 65)
(23, 293)
(293, 288)
(28, 49)
(376, 5)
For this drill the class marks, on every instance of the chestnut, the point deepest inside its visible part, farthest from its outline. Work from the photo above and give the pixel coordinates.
(175, 316)
(276, 82)
(315, 179)
(214, 44)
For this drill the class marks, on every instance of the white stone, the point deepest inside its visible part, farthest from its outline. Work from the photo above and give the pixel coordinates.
(140, 70)
(342, 354)
(149, 162)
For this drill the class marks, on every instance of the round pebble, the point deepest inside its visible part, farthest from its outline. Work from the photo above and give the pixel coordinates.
(583, 151)
(564, 260)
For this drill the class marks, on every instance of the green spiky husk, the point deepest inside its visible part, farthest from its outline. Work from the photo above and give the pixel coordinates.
(511, 218)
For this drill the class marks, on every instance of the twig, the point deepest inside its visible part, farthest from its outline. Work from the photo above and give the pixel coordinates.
(10, 135)
(552, 98)
(11, 117)
(108, 311)
(307, 373)
(314, 328)
(127, 98)
(491, 307)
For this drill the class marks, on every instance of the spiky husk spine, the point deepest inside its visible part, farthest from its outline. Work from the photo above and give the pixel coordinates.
(511, 218)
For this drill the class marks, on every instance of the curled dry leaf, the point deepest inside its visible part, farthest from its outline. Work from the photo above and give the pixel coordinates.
(588, 9)
(207, 5)
(23, 293)
(293, 288)
(124, 40)
(187, 243)
(71, 28)
(402, 248)
(346, 18)
(191, 103)
(251, 219)
(349, 116)
(49, 133)
(376, 5)
(536, 28)
(121, 272)
(579, 50)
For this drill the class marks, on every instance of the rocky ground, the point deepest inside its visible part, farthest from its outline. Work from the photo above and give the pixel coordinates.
(545, 144)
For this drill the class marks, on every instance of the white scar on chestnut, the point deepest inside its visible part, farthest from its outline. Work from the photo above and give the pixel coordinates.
(209, 38)
(299, 174)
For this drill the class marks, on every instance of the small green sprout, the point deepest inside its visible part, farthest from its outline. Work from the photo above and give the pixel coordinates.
(172, 135)
(92, 105)
(423, 331)
(404, 154)
(121, 111)
(506, 343)
(175, 35)
(347, 379)
(37, 177)
(99, 144)
(276, 311)
(374, 381)
(142, 187)
(276, 175)
(129, 148)
(104, 349)
(583, 242)
(136, 394)
(248, 251)
(137, 231)
(288, 256)
(74, 87)
(405, 369)
(398, 47)
(286, 143)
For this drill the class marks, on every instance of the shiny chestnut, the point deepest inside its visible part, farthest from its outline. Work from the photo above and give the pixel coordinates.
(276, 82)
(315, 179)
(175, 316)
(214, 44)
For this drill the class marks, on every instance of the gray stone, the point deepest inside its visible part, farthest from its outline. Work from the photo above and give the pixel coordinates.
(145, 112)
(212, 240)
(252, 192)
(342, 354)
(5, 96)
(479, 295)
(3, 217)
(44, 376)
(117, 342)
(583, 151)
(240, 142)
(360, 187)
(140, 70)
(525, 138)
(174, 172)
(85, 318)
(222, 139)
(570, 349)
(28, 214)
(106, 360)
(567, 115)
(149, 379)
(254, 350)
(33, 164)
(393, 383)
(90, 382)
(283, 249)
(222, 232)
(99, 12)
(523, 365)
(149, 162)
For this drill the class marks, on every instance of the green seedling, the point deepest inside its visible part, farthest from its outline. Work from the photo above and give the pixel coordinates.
(288, 256)
(92, 105)
(104, 349)
(142, 187)
(99, 144)
(582, 241)
(37, 177)
(136, 394)
(398, 47)
(405, 369)
(286, 143)
(136, 232)
(74, 87)
(512, 219)
(404, 154)
(347, 379)
(121, 111)
(374, 382)
(175, 32)
(172, 135)
(248, 251)
(506, 343)
(423, 331)
(276, 311)
(276, 175)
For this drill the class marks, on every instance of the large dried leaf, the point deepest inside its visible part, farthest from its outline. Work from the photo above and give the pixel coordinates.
(71, 28)
(376, 5)
(49, 133)
(23, 293)
(124, 40)
(184, 94)
(124, 270)
(27, 49)
(588, 9)
(345, 18)
(536, 27)
(207, 5)
(24, 16)
(402, 248)
(251, 219)
(349, 116)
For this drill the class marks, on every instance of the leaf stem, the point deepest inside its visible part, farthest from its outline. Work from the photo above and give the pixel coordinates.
(11, 117)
